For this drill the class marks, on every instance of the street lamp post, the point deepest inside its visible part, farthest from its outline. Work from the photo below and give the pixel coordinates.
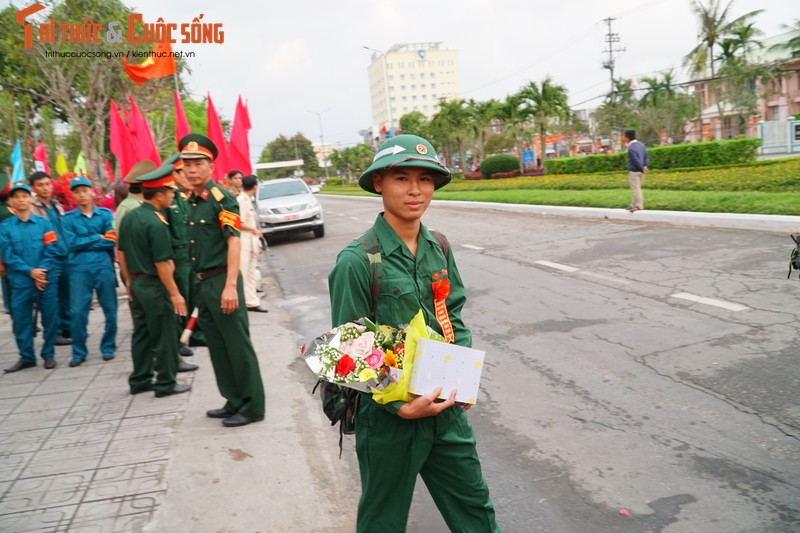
(322, 139)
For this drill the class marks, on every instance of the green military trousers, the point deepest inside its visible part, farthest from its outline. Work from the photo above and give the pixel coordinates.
(232, 354)
(154, 337)
(183, 279)
(392, 451)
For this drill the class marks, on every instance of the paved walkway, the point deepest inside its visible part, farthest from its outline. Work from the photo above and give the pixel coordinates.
(78, 453)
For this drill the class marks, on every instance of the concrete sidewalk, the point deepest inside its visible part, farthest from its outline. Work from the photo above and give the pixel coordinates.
(78, 453)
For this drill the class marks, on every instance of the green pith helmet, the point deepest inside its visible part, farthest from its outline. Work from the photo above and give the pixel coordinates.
(405, 151)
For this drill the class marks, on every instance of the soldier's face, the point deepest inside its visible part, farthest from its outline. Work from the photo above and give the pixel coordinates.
(43, 188)
(198, 172)
(83, 195)
(406, 191)
(163, 199)
(20, 201)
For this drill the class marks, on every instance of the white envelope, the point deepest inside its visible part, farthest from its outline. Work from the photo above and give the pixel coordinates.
(439, 364)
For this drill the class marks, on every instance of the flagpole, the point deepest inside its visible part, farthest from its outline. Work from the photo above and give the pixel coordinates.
(175, 77)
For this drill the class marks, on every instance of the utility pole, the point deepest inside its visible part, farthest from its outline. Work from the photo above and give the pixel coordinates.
(611, 40)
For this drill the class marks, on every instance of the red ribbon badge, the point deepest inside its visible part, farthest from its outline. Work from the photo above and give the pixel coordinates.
(441, 290)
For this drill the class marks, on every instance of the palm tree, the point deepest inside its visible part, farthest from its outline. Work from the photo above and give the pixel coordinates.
(546, 102)
(713, 25)
(514, 112)
(657, 90)
(793, 44)
(454, 121)
(483, 114)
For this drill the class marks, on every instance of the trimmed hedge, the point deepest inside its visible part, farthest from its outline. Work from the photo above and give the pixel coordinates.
(499, 163)
(703, 154)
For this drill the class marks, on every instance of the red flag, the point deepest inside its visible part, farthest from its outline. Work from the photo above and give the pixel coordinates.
(138, 127)
(160, 64)
(109, 172)
(123, 145)
(40, 158)
(181, 124)
(217, 136)
(239, 147)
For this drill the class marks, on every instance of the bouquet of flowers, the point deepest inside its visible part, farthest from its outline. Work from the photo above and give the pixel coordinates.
(368, 357)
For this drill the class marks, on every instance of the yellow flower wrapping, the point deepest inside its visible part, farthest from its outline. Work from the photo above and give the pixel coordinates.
(399, 391)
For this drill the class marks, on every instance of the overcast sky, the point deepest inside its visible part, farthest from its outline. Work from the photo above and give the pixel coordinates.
(292, 56)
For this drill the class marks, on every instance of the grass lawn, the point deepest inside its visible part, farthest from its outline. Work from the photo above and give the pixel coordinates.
(769, 187)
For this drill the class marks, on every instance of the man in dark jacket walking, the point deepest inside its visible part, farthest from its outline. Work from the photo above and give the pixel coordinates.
(637, 168)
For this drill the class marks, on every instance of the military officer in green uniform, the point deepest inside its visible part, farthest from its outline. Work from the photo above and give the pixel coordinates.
(146, 261)
(218, 291)
(176, 216)
(397, 441)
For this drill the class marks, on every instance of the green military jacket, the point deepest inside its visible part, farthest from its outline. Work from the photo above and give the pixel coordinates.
(5, 212)
(405, 283)
(144, 239)
(213, 217)
(177, 216)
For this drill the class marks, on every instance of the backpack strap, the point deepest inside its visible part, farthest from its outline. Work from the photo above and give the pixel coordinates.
(442, 240)
(369, 242)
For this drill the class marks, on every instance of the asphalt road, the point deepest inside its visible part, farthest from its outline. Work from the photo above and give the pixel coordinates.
(640, 376)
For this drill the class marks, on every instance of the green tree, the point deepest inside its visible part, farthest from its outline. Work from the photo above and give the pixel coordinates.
(414, 123)
(713, 25)
(484, 114)
(285, 148)
(354, 160)
(514, 113)
(548, 105)
(79, 91)
(793, 44)
(454, 123)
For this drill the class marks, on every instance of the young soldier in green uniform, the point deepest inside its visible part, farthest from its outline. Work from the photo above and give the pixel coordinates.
(397, 441)
(145, 258)
(218, 291)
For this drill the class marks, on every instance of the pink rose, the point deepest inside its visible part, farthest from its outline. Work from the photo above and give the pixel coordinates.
(359, 348)
(375, 359)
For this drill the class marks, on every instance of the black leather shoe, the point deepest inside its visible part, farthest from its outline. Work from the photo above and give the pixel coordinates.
(183, 366)
(19, 365)
(108, 357)
(240, 420)
(185, 351)
(218, 413)
(63, 341)
(75, 363)
(144, 388)
(195, 342)
(178, 389)
(258, 309)
(49, 363)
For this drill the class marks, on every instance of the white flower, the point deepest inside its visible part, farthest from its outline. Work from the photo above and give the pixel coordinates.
(359, 348)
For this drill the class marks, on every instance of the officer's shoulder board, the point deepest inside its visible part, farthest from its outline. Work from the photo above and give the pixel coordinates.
(161, 217)
(217, 194)
(182, 195)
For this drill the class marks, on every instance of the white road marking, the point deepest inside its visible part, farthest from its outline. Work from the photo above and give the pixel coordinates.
(472, 247)
(612, 279)
(710, 301)
(558, 266)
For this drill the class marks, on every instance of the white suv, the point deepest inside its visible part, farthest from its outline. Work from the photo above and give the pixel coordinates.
(287, 205)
